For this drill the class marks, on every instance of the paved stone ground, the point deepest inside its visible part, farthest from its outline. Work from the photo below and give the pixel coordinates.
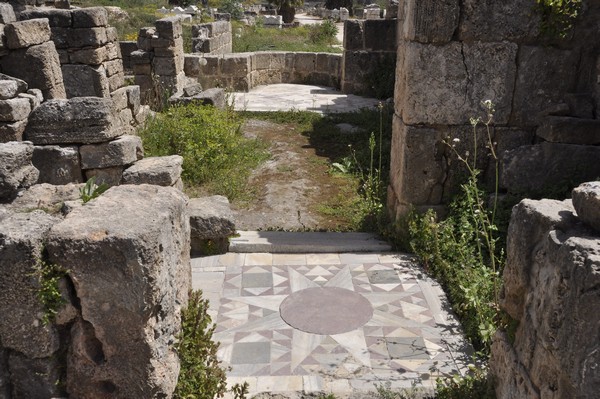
(409, 332)
(285, 97)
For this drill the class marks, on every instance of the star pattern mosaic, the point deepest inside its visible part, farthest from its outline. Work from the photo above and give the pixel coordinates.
(409, 333)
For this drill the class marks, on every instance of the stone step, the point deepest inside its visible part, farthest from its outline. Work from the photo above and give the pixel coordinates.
(306, 242)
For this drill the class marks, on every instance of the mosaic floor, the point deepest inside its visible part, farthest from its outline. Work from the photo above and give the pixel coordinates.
(409, 333)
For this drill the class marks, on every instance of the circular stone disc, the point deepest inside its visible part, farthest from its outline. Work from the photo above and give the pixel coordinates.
(326, 310)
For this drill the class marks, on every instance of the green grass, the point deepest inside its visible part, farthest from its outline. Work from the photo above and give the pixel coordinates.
(302, 38)
(216, 157)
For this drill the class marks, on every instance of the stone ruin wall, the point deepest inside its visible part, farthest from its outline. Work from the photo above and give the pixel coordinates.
(369, 52)
(552, 293)
(454, 54)
(212, 38)
(243, 71)
(52, 138)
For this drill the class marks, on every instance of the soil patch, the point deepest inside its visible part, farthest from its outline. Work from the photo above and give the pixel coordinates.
(291, 187)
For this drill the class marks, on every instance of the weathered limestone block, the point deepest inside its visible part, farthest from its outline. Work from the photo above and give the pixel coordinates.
(538, 68)
(81, 120)
(34, 97)
(490, 20)
(564, 129)
(57, 165)
(354, 38)
(14, 109)
(29, 344)
(90, 56)
(56, 18)
(16, 170)
(27, 33)
(537, 168)
(141, 57)
(12, 131)
(169, 28)
(85, 81)
(214, 97)
(119, 99)
(110, 176)
(8, 89)
(83, 37)
(446, 84)
(21, 84)
(162, 171)
(531, 222)
(170, 66)
(133, 98)
(556, 341)
(127, 253)
(47, 197)
(431, 21)
(586, 200)
(43, 68)
(125, 150)
(7, 14)
(211, 220)
(90, 17)
(305, 62)
(423, 150)
(211, 217)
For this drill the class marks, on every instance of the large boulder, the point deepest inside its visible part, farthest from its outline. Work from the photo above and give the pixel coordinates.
(82, 120)
(554, 351)
(16, 169)
(127, 253)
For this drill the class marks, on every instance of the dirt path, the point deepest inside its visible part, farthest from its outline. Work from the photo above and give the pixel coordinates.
(290, 187)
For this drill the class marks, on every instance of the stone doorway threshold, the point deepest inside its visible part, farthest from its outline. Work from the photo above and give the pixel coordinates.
(404, 326)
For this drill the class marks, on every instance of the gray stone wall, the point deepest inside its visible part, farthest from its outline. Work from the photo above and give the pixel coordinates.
(551, 283)
(454, 54)
(212, 38)
(243, 71)
(88, 49)
(369, 57)
(158, 64)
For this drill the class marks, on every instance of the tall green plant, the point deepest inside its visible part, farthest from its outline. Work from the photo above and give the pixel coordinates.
(462, 251)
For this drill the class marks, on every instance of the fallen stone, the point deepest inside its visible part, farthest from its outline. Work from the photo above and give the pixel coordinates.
(161, 171)
(192, 90)
(125, 150)
(586, 200)
(21, 84)
(8, 89)
(57, 165)
(27, 33)
(140, 234)
(7, 14)
(14, 109)
(211, 218)
(568, 130)
(16, 169)
(81, 120)
(214, 97)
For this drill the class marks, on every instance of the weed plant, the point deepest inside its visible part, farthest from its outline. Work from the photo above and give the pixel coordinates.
(201, 375)
(49, 276)
(215, 153)
(463, 254)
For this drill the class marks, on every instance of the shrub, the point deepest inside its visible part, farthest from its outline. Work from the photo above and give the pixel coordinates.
(324, 32)
(214, 151)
